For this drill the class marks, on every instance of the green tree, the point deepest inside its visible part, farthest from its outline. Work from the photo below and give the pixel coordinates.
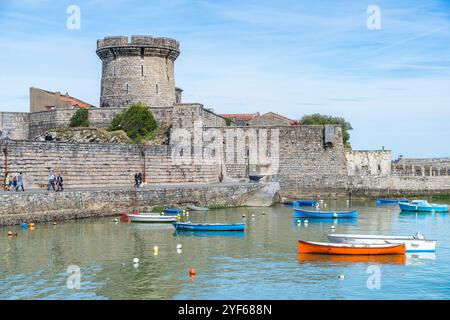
(320, 119)
(137, 121)
(80, 118)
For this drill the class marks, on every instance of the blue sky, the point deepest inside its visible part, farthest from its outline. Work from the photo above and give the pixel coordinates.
(292, 57)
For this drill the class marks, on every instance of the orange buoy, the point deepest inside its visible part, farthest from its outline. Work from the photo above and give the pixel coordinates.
(31, 225)
(191, 272)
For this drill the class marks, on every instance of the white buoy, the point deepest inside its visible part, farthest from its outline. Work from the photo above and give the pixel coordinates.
(299, 222)
(136, 265)
(115, 220)
(135, 260)
(306, 221)
(342, 277)
(179, 246)
(243, 215)
(179, 251)
(332, 227)
(321, 201)
(324, 205)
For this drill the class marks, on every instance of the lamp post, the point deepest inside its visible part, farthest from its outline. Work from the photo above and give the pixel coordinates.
(5, 152)
(144, 178)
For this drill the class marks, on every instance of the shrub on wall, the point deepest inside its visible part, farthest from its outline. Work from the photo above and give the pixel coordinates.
(320, 119)
(137, 121)
(80, 118)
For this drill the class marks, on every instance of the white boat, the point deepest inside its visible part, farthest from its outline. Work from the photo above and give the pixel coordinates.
(416, 243)
(151, 217)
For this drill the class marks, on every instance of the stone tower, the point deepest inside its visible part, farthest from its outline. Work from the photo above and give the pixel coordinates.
(138, 71)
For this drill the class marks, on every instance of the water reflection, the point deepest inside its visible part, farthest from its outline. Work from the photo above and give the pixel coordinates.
(347, 221)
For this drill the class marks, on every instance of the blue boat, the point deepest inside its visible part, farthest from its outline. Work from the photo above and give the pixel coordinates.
(299, 213)
(173, 210)
(422, 206)
(305, 203)
(209, 226)
(391, 201)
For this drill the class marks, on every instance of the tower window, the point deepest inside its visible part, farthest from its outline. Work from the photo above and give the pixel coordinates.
(156, 87)
(128, 88)
(142, 53)
(142, 70)
(114, 71)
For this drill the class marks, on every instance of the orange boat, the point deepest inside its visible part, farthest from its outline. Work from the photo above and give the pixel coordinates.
(353, 249)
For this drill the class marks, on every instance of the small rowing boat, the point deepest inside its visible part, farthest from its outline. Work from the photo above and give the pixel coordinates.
(209, 226)
(416, 243)
(173, 210)
(352, 249)
(151, 217)
(300, 213)
(390, 201)
(422, 206)
(305, 203)
(195, 208)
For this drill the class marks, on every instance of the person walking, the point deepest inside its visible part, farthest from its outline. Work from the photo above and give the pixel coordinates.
(51, 180)
(14, 184)
(7, 181)
(59, 182)
(20, 182)
(136, 180)
(140, 179)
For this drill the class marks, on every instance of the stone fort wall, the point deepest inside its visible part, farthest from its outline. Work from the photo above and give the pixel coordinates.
(98, 165)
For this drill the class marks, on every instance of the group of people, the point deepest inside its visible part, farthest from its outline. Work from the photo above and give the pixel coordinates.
(138, 179)
(14, 183)
(55, 182)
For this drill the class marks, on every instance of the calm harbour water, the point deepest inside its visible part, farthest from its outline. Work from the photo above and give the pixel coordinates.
(261, 263)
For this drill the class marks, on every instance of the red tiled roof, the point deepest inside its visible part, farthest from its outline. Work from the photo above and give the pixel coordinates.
(74, 102)
(240, 116)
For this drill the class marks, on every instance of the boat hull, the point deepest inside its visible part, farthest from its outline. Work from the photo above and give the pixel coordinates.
(209, 227)
(299, 213)
(390, 201)
(305, 203)
(151, 218)
(421, 208)
(195, 208)
(412, 245)
(394, 259)
(173, 211)
(305, 247)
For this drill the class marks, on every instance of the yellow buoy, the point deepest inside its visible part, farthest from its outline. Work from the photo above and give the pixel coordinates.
(155, 250)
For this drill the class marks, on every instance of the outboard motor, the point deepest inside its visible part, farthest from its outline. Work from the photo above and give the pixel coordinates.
(419, 235)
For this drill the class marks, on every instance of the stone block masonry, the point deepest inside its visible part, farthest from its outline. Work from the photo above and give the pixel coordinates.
(43, 207)
(98, 165)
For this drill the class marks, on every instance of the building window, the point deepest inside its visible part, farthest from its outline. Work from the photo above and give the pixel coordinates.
(142, 70)
(157, 89)
(128, 88)
(114, 71)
